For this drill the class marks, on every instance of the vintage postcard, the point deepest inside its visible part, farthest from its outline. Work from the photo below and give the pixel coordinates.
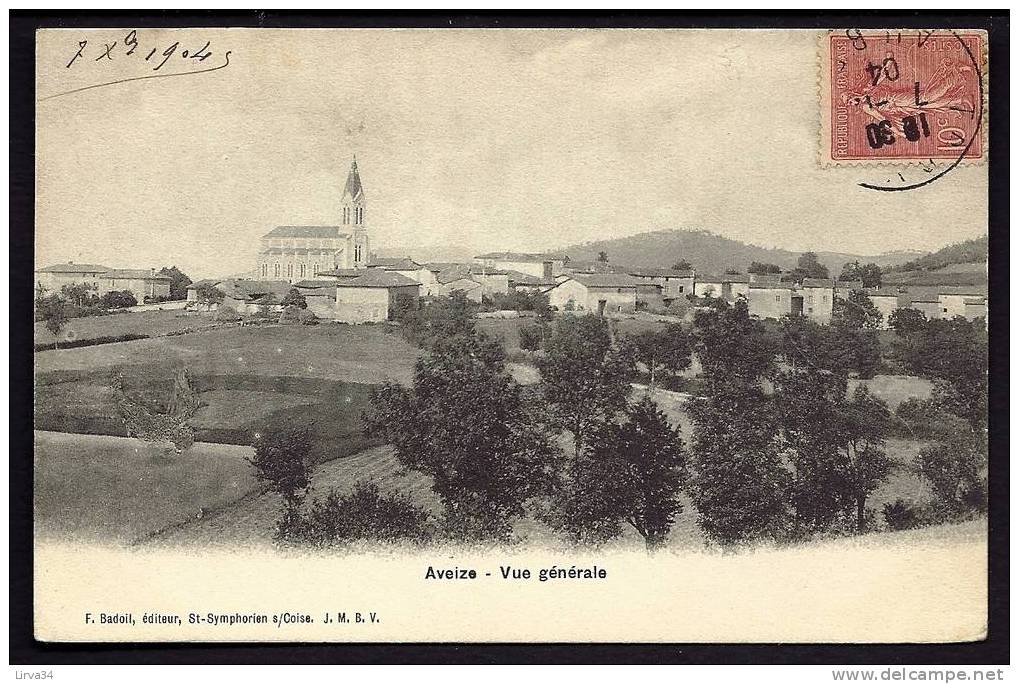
(511, 335)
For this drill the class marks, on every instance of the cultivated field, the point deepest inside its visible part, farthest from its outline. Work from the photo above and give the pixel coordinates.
(151, 323)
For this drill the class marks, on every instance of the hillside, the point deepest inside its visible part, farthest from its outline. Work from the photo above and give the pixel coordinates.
(710, 253)
(960, 256)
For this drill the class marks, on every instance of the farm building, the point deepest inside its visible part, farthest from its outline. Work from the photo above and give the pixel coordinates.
(885, 300)
(320, 296)
(52, 278)
(818, 299)
(599, 293)
(727, 286)
(244, 296)
(673, 283)
(406, 266)
(773, 299)
(538, 265)
(844, 287)
(373, 296)
(523, 282)
(962, 300)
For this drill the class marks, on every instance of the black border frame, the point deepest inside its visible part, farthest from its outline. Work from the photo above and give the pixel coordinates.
(24, 649)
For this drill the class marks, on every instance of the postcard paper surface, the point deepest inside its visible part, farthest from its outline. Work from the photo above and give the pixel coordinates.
(511, 335)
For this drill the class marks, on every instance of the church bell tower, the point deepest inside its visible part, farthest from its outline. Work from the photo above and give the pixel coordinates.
(354, 217)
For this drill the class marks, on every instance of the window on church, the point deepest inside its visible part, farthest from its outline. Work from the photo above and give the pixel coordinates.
(276, 271)
(290, 270)
(265, 270)
(302, 270)
(315, 272)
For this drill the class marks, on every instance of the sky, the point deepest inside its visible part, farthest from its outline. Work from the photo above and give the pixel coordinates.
(467, 141)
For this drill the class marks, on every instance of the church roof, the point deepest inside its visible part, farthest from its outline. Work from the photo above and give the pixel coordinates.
(300, 250)
(305, 231)
(353, 186)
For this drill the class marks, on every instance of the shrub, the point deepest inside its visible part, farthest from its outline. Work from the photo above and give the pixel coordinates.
(118, 299)
(365, 514)
(902, 515)
(227, 314)
(88, 342)
(306, 317)
(290, 315)
(295, 298)
(532, 336)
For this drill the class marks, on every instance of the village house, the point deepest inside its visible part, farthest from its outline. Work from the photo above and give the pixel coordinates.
(406, 266)
(771, 298)
(373, 296)
(140, 282)
(523, 282)
(545, 266)
(320, 296)
(818, 299)
(243, 296)
(294, 253)
(885, 300)
(843, 288)
(728, 286)
(673, 283)
(968, 301)
(598, 293)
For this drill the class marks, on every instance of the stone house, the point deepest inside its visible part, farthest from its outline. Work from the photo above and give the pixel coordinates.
(727, 286)
(674, 284)
(885, 300)
(544, 266)
(818, 299)
(773, 299)
(53, 278)
(373, 296)
(598, 293)
(142, 283)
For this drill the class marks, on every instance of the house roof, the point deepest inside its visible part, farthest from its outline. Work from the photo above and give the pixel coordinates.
(72, 267)
(765, 279)
(394, 263)
(454, 272)
(136, 273)
(254, 290)
(377, 277)
(980, 290)
(518, 278)
(849, 284)
(353, 185)
(974, 300)
(439, 266)
(659, 273)
(616, 280)
(883, 292)
(772, 285)
(724, 278)
(342, 273)
(818, 282)
(304, 232)
(315, 284)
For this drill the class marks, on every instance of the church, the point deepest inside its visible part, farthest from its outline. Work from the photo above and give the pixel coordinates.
(295, 253)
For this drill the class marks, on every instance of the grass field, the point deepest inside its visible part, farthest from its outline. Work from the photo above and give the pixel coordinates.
(110, 489)
(151, 323)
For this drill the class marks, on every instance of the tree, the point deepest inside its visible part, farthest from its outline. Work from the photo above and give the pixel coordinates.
(860, 428)
(440, 320)
(907, 322)
(648, 469)
(464, 422)
(682, 265)
(80, 295)
(208, 294)
(295, 298)
(282, 461)
(731, 346)
(762, 268)
(660, 350)
(603, 257)
(869, 274)
(955, 471)
(172, 426)
(738, 482)
(118, 299)
(856, 312)
(807, 266)
(179, 282)
(584, 377)
(52, 310)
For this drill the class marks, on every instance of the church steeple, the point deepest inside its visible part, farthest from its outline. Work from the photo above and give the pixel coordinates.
(353, 215)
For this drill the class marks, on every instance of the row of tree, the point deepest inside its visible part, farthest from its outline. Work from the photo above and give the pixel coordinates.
(780, 449)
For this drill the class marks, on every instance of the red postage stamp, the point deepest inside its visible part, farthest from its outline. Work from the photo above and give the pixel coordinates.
(893, 96)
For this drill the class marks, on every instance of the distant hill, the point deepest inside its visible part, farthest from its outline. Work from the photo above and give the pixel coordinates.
(968, 253)
(710, 253)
